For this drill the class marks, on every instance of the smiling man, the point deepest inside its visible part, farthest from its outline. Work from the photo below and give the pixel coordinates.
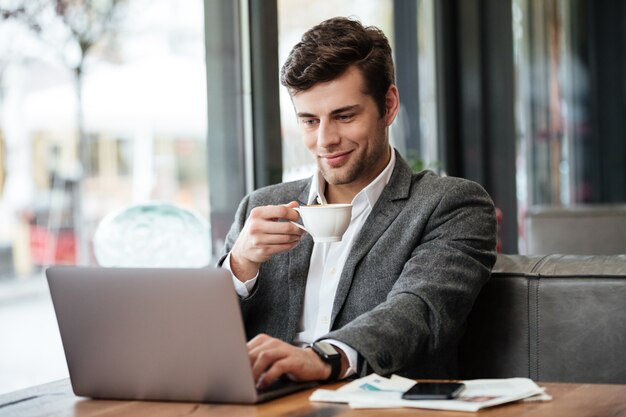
(393, 295)
(343, 129)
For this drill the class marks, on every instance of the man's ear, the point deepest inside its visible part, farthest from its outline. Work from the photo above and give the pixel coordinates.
(392, 104)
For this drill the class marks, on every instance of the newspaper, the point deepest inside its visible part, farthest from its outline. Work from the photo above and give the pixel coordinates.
(374, 391)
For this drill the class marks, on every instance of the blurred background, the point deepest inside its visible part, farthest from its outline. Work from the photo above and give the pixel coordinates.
(110, 103)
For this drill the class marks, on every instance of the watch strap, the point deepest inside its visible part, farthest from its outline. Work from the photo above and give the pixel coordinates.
(333, 360)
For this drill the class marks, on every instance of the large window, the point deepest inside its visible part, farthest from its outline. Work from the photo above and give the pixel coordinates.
(570, 114)
(123, 121)
(102, 105)
(570, 111)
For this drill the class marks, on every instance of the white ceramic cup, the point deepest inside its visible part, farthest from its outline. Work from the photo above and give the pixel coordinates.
(325, 222)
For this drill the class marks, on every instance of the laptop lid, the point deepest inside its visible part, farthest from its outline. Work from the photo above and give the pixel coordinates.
(152, 334)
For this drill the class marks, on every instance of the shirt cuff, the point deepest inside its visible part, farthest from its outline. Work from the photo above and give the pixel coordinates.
(243, 289)
(351, 354)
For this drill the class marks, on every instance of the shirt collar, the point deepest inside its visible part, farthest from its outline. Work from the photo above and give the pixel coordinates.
(366, 197)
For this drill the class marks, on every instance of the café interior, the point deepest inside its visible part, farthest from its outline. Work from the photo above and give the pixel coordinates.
(164, 105)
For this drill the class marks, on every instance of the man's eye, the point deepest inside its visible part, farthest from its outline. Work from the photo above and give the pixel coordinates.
(344, 117)
(309, 122)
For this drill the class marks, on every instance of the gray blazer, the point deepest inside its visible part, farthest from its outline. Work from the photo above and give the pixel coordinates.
(408, 284)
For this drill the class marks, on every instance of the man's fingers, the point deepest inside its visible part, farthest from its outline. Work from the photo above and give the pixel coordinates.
(262, 227)
(292, 204)
(274, 372)
(257, 341)
(275, 212)
(258, 345)
(265, 234)
(265, 353)
(270, 358)
(266, 360)
(268, 235)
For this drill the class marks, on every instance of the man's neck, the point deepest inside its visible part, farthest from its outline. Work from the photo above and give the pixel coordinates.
(336, 194)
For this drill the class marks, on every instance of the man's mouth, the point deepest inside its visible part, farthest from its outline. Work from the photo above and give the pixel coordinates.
(337, 158)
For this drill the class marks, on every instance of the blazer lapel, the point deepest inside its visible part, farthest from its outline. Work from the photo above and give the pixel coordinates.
(383, 213)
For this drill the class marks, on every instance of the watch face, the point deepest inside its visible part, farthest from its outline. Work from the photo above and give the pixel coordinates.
(327, 348)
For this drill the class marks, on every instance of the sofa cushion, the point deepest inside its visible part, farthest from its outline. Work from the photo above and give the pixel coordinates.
(551, 318)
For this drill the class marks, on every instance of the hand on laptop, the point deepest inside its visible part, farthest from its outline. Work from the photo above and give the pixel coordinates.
(263, 237)
(271, 358)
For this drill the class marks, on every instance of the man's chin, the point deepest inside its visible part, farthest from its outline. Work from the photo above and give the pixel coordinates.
(337, 177)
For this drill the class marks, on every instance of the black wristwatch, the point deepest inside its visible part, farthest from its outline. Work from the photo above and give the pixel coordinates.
(330, 355)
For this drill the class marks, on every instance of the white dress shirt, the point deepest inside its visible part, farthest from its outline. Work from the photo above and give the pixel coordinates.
(326, 265)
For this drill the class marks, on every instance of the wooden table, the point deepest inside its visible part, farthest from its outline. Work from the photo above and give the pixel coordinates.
(56, 398)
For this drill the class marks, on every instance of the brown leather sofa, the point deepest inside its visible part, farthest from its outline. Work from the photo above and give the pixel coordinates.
(558, 318)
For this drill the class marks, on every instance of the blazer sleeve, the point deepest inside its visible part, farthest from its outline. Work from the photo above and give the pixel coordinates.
(425, 311)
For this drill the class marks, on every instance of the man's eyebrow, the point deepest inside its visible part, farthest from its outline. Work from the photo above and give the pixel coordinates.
(345, 109)
(334, 112)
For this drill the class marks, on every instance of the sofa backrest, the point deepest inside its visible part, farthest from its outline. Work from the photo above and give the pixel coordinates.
(576, 230)
(552, 318)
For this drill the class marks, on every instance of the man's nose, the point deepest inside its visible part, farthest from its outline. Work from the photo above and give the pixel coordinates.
(327, 134)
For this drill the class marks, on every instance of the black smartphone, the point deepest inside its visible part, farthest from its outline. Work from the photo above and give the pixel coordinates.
(434, 391)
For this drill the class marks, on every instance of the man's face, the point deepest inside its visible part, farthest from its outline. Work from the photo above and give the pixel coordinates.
(344, 131)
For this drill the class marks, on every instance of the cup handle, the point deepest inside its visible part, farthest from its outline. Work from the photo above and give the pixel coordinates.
(298, 224)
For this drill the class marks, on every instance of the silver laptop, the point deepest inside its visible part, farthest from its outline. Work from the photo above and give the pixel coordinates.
(155, 334)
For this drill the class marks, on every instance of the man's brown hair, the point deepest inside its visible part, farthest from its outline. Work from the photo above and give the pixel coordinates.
(327, 50)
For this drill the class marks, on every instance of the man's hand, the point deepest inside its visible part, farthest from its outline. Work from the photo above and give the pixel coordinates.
(271, 358)
(262, 237)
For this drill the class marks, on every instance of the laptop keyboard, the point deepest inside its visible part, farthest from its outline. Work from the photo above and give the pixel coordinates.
(283, 387)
